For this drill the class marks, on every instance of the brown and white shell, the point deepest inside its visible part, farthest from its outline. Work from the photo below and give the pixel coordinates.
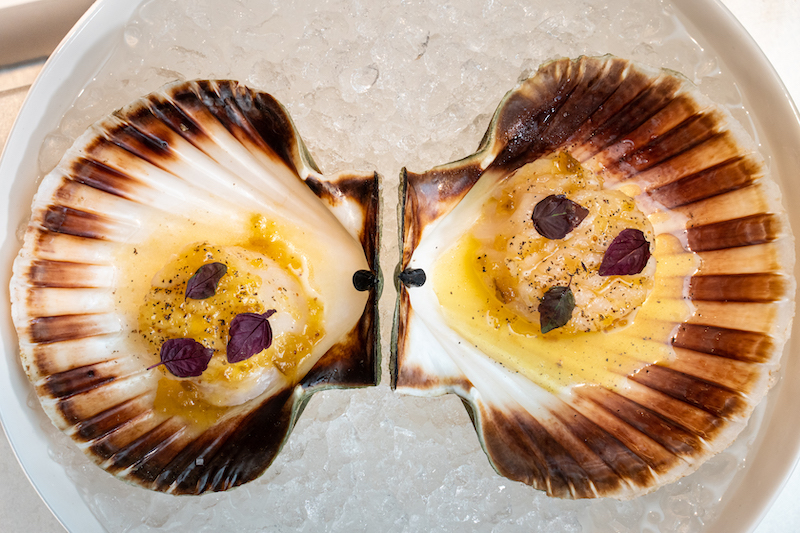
(211, 147)
(652, 128)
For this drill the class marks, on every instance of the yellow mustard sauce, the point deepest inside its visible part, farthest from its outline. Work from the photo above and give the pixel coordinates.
(182, 398)
(165, 313)
(475, 308)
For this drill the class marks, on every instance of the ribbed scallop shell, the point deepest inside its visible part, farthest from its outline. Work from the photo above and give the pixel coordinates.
(211, 145)
(636, 125)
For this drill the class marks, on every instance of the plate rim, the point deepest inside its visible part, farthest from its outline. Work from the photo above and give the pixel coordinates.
(84, 50)
(78, 56)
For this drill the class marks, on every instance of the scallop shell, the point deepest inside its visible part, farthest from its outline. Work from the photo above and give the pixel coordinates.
(203, 152)
(634, 125)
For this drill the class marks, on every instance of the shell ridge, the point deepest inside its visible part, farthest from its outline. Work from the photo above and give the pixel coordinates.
(717, 150)
(90, 402)
(141, 466)
(52, 358)
(70, 221)
(158, 158)
(751, 259)
(758, 287)
(539, 433)
(95, 202)
(113, 420)
(77, 380)
(572, 112)
(659, 151)
(190, 157)
(108, 443)
(699, 422)
(58, 301)
(674, 439)
(258, 157)
(103, 448)
(126, 136)
(695, 390)
(658, 458)
(728, 176)
(148, 443)
(628, 468)
(50, 329)
(65, 274)
(569, 440)
(599, 130)
(163, 178)
(746, 316)
(730, 374)
(98, 175)
(676, 113)
(166, 107)
(735, 344)
(613, 76)
(651, 94)
(747, 230)
(51, 245)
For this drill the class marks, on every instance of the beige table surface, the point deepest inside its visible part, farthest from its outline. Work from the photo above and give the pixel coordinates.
(774, 24)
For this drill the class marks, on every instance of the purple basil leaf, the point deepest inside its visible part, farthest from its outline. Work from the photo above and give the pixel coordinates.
(627, 254)
(555, 308)
(557, 215)
(204, 282)
(184, 357)
(250, 333)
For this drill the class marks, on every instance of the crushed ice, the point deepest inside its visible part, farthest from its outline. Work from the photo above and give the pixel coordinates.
(376, 86)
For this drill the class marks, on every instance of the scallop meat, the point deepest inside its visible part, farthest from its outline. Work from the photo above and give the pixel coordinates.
(606, 283)
(188, 279)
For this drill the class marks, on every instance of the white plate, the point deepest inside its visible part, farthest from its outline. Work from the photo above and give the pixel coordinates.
(84, 51)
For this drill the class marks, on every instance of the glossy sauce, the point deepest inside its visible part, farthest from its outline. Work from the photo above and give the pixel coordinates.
(264, 271)
(566, 356)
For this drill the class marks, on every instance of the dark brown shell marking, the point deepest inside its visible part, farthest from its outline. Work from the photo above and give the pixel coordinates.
(654, 129)
(101, 398)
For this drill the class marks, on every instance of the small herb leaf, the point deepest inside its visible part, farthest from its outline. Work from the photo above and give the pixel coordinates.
(555, 216)
(204, 282)
(555, 308)
(249, 334)
(184, 357)
(627, 254)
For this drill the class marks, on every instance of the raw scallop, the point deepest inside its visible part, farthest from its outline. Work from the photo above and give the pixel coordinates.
(622, 411)
(198, 171)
